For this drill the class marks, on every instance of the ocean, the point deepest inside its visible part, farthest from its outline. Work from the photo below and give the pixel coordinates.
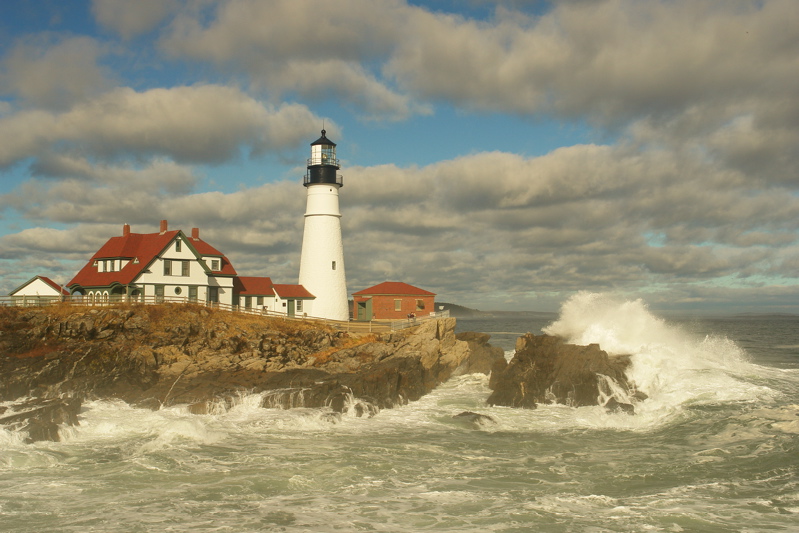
(715, 448)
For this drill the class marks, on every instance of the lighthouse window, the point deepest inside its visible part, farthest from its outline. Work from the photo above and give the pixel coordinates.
(334, 265)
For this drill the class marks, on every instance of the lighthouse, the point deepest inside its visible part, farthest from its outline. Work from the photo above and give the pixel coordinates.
(322, 259)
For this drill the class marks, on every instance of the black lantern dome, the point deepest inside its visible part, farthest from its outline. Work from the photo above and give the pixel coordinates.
(323, 164)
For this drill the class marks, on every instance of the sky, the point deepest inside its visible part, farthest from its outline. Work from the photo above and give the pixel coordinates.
(505, 155)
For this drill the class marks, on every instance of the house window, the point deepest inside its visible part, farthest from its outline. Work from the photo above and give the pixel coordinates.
(159, 293)
(419, 305)
(334, 265)
(259, 300)
(167, 267)
(214, 264)
(192, 294)
(185, 268)
(247, 302)
(178, 290)
(397, 305)
(177, 245)
(299, 305)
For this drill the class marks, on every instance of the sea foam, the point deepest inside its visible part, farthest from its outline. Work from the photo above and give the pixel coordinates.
(672, 366)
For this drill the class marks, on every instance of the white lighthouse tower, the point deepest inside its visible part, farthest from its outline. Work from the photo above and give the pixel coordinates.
(322, 259)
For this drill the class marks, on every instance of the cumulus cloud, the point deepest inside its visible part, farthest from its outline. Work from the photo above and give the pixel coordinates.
(316, 49)
(129, 19)
(204, 123)
(610, 59)
(52, 75)
(694, 190)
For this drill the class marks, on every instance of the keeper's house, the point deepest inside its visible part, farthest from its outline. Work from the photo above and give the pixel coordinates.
(392, 300)
(171, 266)
(38, 290)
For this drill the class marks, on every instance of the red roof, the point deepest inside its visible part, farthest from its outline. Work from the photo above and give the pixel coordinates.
(54, 285)
(292, 291)
(394, 288)
(144, 247)
(254, 286)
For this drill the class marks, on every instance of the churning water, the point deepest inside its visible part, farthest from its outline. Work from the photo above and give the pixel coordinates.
(714, 448)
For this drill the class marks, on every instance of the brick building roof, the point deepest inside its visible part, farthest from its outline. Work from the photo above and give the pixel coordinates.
(396, 288)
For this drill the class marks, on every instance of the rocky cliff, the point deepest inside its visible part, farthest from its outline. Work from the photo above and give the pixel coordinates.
(153, 356)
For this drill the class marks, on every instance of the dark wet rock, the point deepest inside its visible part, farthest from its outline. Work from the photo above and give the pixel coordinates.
(482, 356)
(547, 370)
(475, 419)
(41, 418)
(615, 406)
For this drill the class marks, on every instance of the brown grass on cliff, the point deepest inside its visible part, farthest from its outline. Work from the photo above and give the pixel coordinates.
(323, 356)
(38, 351)
(163, 319)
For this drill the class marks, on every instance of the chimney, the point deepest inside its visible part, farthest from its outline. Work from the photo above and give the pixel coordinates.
(163, 227)
(126, 230)
(195, 234)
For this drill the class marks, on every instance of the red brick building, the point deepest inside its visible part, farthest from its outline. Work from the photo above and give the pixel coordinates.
(392, 300)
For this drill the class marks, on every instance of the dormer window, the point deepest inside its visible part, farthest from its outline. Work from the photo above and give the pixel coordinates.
(215, 264)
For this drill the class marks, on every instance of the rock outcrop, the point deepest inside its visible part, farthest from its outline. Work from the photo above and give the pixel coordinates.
(40, 418)
(154, 356)
(547, 370)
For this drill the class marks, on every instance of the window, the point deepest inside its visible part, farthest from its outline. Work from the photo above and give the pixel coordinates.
(178, 290)
(334, 265)
(177, 245)
(214, 264)
(247, 302)
(419, 305)
(299, 306)
(167, 267)
(259, 300)
(159, 293)
(192, 294)
(397, 305)
(185, 268)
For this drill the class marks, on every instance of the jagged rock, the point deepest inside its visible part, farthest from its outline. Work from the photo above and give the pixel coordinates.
(547, 370)
(41, 418)
(615, 406)
(474, 419)
(482, 356)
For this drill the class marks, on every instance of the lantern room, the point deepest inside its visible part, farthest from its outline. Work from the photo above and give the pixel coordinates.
(323, 164)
